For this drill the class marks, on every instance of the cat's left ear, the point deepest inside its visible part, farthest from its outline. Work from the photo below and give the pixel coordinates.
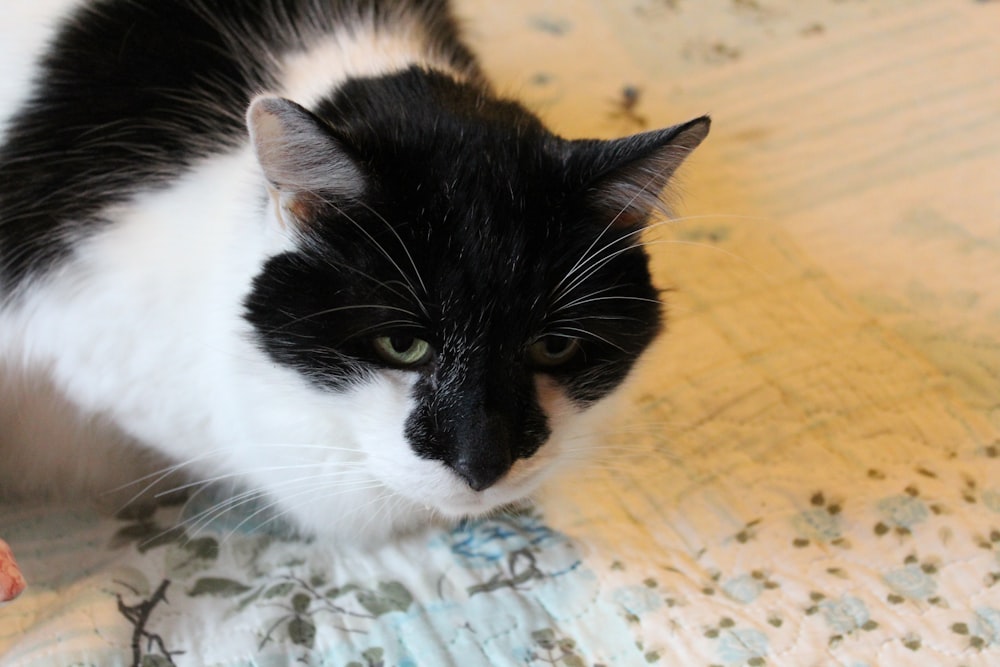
(626, 177)
(304, 163)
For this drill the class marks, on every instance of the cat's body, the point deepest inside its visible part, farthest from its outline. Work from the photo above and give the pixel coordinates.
(408, 301)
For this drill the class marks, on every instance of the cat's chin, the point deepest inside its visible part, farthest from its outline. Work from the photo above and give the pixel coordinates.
(460, 502)
(476, 506)
(451, 497)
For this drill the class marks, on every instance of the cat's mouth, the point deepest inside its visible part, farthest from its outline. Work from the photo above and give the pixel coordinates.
(520, 482)
(475, 505)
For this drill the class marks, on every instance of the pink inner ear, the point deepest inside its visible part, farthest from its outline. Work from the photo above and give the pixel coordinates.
(627, 205)
(11, 581)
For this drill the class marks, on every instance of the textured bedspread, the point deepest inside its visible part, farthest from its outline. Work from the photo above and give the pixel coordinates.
(808, 470)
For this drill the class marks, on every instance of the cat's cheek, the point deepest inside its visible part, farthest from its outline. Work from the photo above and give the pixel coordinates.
(563, 417)
(385, 405)
(554, 402)
(577, 430)
(356, 448)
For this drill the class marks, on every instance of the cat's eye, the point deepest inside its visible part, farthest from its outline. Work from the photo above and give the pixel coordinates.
(401, 350)
(551, 351)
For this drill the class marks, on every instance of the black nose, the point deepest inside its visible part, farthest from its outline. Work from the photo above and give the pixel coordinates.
(483, 450)
(482, 472)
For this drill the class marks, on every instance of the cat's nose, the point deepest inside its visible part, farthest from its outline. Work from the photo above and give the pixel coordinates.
(484, 452)
(480, 473)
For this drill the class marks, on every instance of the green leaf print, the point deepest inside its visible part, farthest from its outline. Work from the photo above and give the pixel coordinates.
(391, 596)
(218, 587)
(302, 631)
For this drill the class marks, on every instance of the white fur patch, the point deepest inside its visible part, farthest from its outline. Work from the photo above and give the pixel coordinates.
(361, 51)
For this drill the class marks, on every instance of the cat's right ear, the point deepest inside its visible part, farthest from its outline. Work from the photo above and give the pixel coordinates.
(626, 177)
(305, 165)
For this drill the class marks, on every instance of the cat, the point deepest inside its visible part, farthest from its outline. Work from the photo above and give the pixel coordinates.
(303, 246)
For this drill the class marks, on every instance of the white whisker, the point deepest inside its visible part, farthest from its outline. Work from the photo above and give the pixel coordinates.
(385, 253)
(402, 244)
(246, 472)
(213, 512)
(338, 309)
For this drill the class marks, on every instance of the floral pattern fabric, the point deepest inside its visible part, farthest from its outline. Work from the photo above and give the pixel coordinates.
(511, 590)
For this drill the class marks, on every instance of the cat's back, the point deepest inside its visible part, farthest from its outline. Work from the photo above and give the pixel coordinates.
(176, 51)
(104, 99)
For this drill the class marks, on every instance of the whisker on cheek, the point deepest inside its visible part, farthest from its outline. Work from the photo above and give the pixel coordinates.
(273, 490)
(284, 500)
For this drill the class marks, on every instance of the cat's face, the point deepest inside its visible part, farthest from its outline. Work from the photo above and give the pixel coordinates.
(465, 286)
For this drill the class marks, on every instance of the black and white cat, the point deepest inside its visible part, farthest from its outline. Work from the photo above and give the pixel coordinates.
(302, 245)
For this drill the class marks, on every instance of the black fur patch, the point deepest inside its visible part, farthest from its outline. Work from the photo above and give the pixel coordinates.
(476, 235)
(131, 92)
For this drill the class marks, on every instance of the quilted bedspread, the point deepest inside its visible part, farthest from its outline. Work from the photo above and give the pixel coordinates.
(807, 470)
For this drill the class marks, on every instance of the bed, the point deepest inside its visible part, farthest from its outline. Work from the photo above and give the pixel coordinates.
(807, 469)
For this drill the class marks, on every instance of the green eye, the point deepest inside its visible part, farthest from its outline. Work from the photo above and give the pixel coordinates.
(403, 350)
(550, 351)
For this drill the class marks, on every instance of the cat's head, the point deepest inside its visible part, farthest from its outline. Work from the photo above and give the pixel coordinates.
(463, 288)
